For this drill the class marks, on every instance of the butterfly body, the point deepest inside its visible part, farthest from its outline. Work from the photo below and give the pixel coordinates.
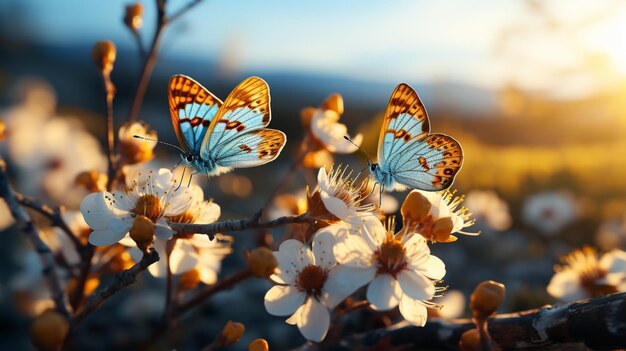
(408, 155)
(218, 136)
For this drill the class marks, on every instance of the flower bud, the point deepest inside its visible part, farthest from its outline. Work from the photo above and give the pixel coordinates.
(189, 280)
(133, 17)
(470, 340)
(48, 330)
(3, 129)
(415, 208)
(93, 181)
(258, 345)
(134, 150)
(103, 54)
(486, 298)
(334, 103)
(142, 232)
(262, 262)
(231, 333)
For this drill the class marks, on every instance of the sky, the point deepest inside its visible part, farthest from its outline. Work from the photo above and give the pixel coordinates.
(485, 43)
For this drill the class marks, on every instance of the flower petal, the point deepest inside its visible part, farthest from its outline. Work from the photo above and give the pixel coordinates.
(323, 250)
(384, 292)
(335, 206)
(162, 230)
(416, 285)
(313, 320)
(354, 251)
(434, 268)
(347, 279)
(413, 311)
(283, 300)
(183, 257)
(106, 237)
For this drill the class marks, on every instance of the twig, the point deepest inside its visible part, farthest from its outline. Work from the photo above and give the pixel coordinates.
(122, 280)
(109, 94)
(598, 323)
(150, 60)
(223, 284)
(234, 225)
(52, 213)
(86, 256)
(26, 225)
(142, 49)
(184, 10)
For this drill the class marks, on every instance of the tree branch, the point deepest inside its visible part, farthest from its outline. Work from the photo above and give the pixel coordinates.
(26, 225)
(235, 225)
(598, 323)
(52, 213)
(122, 280)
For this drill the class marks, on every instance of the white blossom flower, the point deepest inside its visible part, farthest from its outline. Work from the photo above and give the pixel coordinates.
(190, 251)
(50, 156)
(398, 268)
(135, 150)
(549, 212)
(584, 275)
(149, 194)
(490, 208)
(327, 130)
(340, 197)
(307, 286)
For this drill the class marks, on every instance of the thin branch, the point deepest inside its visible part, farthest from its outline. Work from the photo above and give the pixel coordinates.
(122, 280)
(184, 10)
(598, 323)
(142, 49)
(26, 225)
(149, 62)
(86, 256)
(109, 94)
(235, 225)
(223, 284)
(52, 213)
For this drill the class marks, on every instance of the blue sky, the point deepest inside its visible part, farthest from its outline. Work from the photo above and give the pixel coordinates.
(387, 41)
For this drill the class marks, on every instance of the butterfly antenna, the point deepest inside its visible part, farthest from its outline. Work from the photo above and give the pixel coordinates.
(182, 176)
(160, 142)
(190, 176)
(358, 147)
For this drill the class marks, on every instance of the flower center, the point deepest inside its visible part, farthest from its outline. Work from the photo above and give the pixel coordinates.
(311, 280)
(391, 257)
(148, 205)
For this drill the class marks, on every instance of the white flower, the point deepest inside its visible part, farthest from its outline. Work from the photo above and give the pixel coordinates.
(135, 150)
(549, 212)
(398, 268)
(452, 304)
(50, 150)
(190, 251)
(327, 130)
(445, 204)
(584, 275)
(154, 195)
(307, 286)
(487, 205)
(341, 198)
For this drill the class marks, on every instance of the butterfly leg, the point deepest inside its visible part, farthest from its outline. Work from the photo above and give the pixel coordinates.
(380, 196)
(190, 177)
(181, 178)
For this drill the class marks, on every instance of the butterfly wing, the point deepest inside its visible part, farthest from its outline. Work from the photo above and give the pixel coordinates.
(192, 108)
(405, 120)
(250, 149)
(428, 164)
(246, 109)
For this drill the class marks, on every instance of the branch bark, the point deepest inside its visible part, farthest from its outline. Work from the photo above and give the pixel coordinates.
(122, 280)
(598, 323)
(25, 223)
(234, 225)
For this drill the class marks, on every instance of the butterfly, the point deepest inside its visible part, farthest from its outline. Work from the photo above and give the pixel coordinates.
(217, 136)
(408, 155)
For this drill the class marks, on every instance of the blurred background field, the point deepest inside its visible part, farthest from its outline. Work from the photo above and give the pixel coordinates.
(534, 91)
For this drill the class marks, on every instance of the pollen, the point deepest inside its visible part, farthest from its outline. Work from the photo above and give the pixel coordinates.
(311, 280)
(150, 206)
(391, 256)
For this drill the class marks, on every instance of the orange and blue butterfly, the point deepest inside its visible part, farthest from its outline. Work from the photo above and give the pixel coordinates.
(217, 136)
(408, 155)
